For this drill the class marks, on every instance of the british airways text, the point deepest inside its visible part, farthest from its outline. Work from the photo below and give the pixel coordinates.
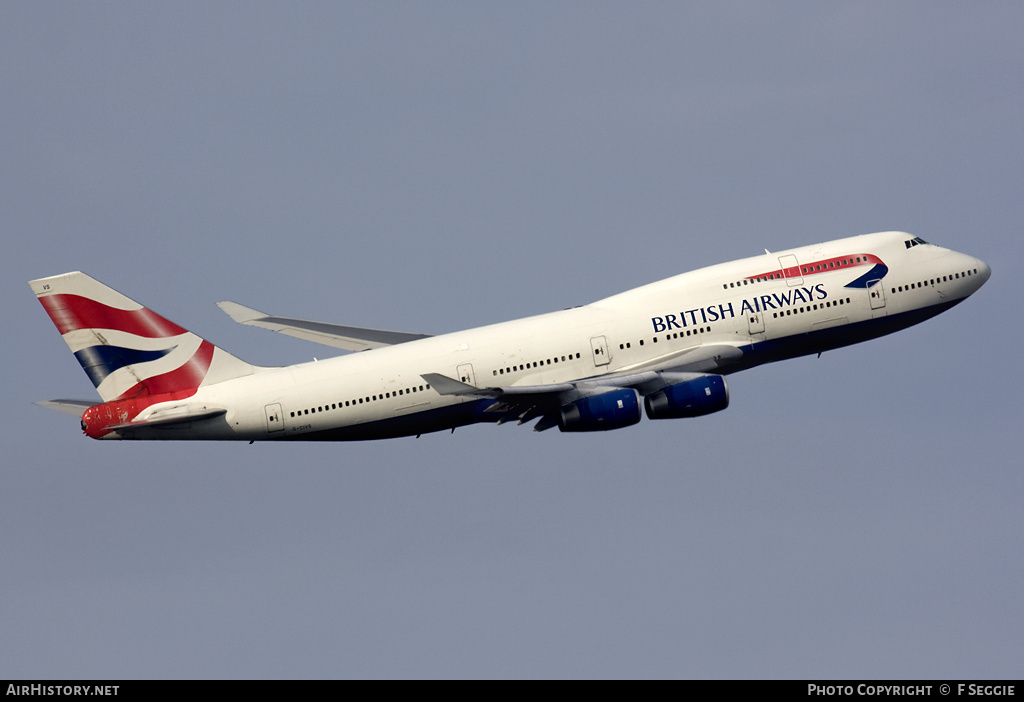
(713, 313)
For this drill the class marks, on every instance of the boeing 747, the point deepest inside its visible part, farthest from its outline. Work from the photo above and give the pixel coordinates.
(662, 350)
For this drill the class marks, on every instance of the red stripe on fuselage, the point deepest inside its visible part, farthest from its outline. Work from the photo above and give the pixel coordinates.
(73, 312)
(823, 266)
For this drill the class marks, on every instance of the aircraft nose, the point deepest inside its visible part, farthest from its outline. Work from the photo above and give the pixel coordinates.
(984, 271)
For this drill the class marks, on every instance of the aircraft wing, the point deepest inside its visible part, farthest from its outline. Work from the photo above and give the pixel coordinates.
(336, 335)
(524, 403)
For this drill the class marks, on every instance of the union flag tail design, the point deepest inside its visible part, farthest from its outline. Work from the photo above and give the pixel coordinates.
(127, 350)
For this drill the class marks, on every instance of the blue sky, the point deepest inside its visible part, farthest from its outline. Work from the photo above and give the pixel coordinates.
(431, 167)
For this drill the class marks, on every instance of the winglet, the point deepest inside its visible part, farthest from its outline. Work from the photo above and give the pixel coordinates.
(240, 313)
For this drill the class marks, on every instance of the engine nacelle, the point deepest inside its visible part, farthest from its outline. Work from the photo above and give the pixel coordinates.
(692, 398)
(609, 410)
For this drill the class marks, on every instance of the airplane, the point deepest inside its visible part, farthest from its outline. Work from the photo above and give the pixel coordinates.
(666, 346)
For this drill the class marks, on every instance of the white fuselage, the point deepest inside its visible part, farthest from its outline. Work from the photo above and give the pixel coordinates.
(719, 319)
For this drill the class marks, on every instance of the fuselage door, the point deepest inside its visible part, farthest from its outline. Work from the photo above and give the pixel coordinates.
(755, 322)
(791, 270)
(465, 373)
(599, 347)
(876, 293)
(275, 418)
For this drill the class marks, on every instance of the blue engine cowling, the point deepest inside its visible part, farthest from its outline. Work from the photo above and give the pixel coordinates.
(692, 398)
(609, 410)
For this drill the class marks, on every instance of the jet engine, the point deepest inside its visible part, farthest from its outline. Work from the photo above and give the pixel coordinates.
(609, 410)
(692, 398)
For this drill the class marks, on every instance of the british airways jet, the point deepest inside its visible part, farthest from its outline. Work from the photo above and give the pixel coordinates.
(665, 346)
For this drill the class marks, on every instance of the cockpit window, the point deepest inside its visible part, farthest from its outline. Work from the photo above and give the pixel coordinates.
(916, 241)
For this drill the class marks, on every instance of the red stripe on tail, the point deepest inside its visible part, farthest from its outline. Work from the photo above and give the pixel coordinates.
(72, 312)
(187, 377)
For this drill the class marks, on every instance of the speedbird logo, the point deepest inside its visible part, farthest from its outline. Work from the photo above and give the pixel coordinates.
(129, 353)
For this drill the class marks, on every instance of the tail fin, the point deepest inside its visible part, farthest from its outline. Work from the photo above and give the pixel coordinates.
(127, 350)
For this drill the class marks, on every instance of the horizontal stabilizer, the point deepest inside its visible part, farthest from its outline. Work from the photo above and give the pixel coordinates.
(336, 335)
(169, 419)
(75, 408)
